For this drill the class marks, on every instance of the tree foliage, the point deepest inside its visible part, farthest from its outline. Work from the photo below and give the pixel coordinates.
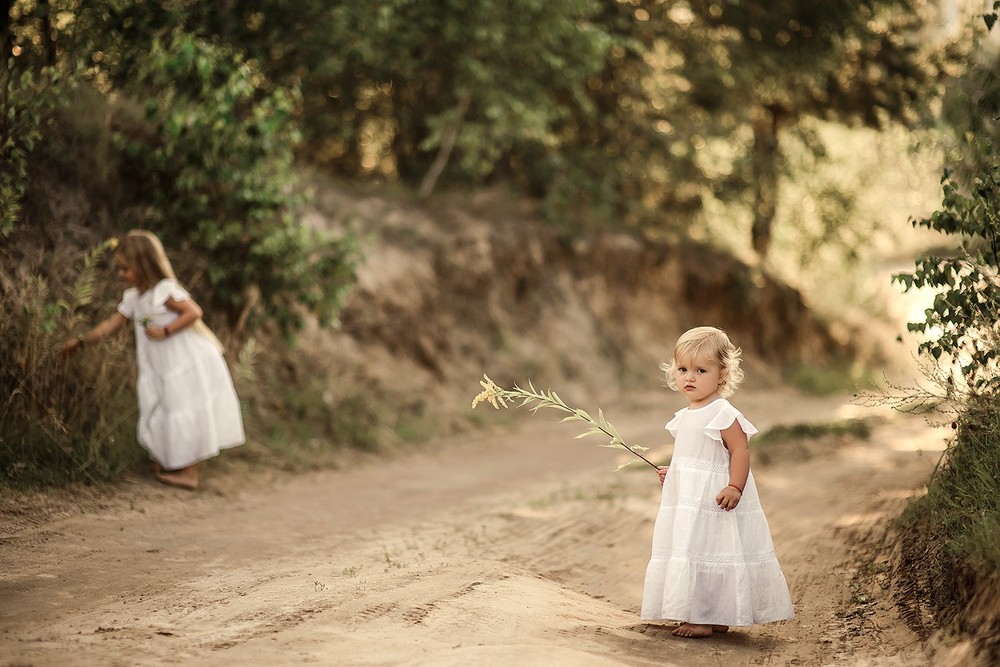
(755, 68)
(221, 166)
(630, 112)
(209, 154)
(601, 109)
(962, 322)
(961, 325)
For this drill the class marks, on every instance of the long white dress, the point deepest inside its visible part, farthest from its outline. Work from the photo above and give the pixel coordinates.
(188, 407)
(709, 566)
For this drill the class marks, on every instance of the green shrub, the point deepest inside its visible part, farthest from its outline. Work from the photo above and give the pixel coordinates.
(218, 170)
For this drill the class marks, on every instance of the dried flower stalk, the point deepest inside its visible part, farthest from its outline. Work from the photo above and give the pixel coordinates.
(498, 396)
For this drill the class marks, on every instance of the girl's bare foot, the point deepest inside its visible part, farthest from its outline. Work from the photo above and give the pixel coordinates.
(185, 478)
(720, 628)
(693, 630)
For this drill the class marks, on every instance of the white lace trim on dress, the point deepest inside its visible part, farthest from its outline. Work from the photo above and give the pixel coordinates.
(718, 559)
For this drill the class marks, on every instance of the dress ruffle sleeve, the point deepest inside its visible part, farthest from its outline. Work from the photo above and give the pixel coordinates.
(674, 423)
(127, 305)
(168, 288)
(724, 419)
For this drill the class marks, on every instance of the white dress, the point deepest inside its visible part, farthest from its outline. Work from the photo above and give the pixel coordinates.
(188, 408)
(709, 566)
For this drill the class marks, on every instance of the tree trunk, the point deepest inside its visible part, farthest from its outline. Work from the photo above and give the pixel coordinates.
(765, 177)
(227, 19)
(48, 31)
(444, 152)
(5, 6)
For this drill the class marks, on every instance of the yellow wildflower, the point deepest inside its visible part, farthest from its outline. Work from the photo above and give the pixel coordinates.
(491, 392)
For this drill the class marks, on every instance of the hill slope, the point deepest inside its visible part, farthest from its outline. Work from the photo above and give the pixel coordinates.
(469, 284)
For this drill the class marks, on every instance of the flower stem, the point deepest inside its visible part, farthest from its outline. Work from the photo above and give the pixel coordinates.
(498, 396)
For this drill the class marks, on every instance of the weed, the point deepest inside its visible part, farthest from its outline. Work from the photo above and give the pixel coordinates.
(949, 548)
(391, 562)
(63, 419)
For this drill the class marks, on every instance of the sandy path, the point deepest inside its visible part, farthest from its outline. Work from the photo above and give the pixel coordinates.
(520, 546)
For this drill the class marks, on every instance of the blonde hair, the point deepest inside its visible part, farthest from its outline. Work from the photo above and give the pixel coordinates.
(708, 344)
(143, 252)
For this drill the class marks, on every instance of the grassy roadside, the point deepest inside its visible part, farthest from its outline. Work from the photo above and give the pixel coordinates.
(948, 569)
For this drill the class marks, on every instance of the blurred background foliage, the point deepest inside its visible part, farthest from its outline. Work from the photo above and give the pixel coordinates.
(609, 112)
(760, 127)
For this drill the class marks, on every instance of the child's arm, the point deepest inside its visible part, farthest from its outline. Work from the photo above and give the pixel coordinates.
(188, 312)
(109, 326)
(739, 466)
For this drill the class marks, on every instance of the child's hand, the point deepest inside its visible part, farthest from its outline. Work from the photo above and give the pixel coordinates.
(154, 332)
(729, 498)
(662, 472)
(71, 347)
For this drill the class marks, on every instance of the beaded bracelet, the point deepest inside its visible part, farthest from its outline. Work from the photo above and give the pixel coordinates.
(736, 487)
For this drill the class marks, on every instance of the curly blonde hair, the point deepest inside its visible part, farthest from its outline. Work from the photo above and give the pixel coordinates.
(712, 345)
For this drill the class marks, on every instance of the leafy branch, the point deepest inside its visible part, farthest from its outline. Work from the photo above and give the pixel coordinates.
(498, 396)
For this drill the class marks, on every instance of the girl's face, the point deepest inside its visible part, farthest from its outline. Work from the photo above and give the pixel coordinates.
(126, 272)
(698, 380)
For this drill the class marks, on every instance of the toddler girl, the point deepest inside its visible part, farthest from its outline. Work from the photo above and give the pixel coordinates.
(188, 408)
(713, 563)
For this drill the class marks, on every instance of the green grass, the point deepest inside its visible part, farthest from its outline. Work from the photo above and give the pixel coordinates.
(825, 381)
(64, 420)
(853, 428)
(804, 441)
(949, 537)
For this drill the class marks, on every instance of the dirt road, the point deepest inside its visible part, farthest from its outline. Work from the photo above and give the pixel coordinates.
(520, 546)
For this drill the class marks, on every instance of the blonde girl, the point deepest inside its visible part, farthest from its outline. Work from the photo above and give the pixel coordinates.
(713, 563)
(188, 407)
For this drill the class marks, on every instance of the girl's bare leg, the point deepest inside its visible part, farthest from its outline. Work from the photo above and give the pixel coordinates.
(185, 478)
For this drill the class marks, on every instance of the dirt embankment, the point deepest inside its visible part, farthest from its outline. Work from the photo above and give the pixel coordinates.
(482, 286)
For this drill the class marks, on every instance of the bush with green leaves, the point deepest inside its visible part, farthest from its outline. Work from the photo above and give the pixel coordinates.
(961, 324)
(948, 555)
(21, 104)
(214, 153)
